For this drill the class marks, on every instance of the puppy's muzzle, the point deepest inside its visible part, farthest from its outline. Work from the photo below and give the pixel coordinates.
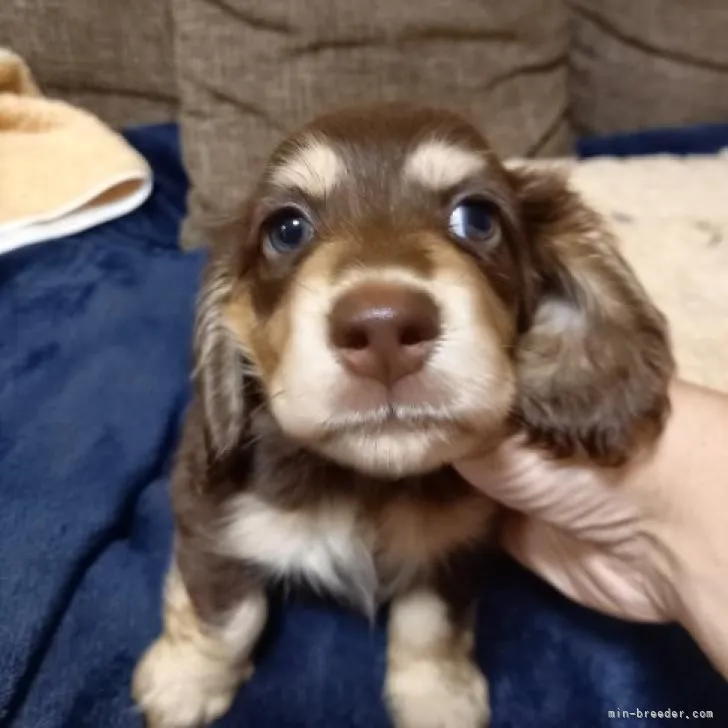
(384, 331)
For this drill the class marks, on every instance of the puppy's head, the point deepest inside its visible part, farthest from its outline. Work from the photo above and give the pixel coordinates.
(395, 296)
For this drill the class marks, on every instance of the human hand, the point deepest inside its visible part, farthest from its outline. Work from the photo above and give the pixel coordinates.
(647, 541)
(578, 527)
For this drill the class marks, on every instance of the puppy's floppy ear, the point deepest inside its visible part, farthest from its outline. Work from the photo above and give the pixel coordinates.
(220, 363)
(595, 363)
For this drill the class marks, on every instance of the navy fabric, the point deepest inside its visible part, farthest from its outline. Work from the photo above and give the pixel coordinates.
(94, 357)
(698, 139)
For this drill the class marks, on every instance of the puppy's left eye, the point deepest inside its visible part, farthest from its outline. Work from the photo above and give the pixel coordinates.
(473, 219)
(287, 231)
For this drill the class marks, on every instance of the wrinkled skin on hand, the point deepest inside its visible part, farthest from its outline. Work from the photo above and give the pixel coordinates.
(647, 541)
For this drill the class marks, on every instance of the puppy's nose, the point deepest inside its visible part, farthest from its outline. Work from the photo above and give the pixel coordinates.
(384, 331)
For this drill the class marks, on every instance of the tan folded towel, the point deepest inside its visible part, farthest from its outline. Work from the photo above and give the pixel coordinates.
(61, 169)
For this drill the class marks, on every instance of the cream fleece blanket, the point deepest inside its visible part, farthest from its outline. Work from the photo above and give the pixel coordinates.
(670, 215)
(61, 169)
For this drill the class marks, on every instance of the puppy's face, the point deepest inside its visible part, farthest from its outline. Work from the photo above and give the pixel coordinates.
(378, 288)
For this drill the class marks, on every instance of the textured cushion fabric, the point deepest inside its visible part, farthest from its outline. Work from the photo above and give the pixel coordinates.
(251, 71)
(114, 59)
(644, 63)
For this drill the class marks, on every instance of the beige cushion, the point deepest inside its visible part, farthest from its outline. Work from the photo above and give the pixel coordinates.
(251, 71)
(113, 58)
(644, 63)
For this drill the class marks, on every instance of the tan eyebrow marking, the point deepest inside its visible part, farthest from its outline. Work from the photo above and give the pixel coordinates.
(314, 168)
(439, 165)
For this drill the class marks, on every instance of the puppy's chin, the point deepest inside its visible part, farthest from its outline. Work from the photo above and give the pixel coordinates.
(389, 441)
(390, 452)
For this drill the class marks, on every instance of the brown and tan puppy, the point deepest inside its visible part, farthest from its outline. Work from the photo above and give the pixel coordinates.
(392, 299)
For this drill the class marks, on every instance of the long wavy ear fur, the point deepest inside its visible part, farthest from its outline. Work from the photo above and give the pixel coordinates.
(595, 364)
(221, 367)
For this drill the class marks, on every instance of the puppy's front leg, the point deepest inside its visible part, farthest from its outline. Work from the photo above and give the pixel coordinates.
(190, 674)
(432, 681)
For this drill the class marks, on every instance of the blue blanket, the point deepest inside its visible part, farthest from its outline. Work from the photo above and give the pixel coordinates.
(94, 344)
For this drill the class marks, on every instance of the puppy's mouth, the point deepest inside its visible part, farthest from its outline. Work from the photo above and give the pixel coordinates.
(418, 397)
(390, 418)
(390, 435)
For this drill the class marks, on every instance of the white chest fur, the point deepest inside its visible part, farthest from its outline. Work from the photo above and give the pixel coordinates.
(335, 548)
(326, 547)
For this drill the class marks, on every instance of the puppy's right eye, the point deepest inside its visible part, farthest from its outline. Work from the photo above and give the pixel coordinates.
(287, 230)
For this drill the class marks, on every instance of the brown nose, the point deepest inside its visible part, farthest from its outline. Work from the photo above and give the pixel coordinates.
(384, 331)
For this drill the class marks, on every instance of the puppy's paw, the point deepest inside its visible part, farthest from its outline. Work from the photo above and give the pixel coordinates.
(438, 694)
(177, 685)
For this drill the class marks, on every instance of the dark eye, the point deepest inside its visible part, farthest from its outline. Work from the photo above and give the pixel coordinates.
(287, 231)
(472, 220)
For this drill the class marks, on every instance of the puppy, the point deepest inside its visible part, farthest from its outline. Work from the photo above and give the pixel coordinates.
(392, 299)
